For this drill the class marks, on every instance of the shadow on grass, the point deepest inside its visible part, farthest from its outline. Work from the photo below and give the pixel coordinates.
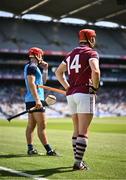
(8, 174)
(18, 155)
(41, 173)
(38, 173)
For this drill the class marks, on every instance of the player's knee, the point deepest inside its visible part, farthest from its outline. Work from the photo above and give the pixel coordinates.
(30, 128)
(42, 126)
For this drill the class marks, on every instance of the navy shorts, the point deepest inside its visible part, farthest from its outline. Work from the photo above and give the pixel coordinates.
(29, 105)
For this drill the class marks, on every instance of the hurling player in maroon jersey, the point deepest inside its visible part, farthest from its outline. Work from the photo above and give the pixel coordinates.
(82, 67)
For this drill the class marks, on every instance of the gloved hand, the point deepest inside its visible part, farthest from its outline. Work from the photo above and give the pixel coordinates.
(92, 90)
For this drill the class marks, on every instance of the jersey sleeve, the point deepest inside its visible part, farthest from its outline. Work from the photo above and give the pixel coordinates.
(94, 54)
(64, 60)
(31, 70)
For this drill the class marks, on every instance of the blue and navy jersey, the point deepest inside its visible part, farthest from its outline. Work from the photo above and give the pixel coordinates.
(33, 69)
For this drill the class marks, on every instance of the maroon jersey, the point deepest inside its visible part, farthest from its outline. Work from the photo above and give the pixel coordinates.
(78, 69)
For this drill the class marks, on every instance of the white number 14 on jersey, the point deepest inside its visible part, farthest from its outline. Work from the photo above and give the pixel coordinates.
(74, 65)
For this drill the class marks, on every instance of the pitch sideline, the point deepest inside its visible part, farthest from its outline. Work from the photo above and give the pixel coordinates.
(21, 173)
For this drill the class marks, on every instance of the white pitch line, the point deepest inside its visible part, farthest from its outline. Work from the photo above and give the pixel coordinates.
(21, 173)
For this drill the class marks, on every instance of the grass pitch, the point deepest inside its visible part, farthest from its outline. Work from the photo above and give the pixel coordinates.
(106, 153)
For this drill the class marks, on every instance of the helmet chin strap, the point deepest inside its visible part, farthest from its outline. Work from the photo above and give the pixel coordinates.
(88, 41)
(38, 60)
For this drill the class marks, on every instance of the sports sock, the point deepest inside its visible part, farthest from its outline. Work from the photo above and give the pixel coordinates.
(74, 139)
(48, 147)
(81, 145)
(30, 147)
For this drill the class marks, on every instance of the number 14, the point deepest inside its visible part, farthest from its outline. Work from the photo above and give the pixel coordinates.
(74, 65)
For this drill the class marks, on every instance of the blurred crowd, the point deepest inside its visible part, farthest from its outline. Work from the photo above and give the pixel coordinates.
(110, 102)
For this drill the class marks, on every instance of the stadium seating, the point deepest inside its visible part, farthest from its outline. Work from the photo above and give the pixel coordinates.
(22, 34)
(17, 35)
(110, 102)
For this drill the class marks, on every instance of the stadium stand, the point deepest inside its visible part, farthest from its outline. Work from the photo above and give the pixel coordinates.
(22, 34)
(12, 102)
(56, 39)
(111, 41)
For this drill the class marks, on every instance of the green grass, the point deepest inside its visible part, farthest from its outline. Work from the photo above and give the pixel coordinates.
(106, 153)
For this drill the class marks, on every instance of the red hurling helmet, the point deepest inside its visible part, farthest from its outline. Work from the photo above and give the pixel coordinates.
(86, 34)
(35, 52)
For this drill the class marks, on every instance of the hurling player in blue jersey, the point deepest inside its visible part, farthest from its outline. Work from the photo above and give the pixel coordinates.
(34, 98)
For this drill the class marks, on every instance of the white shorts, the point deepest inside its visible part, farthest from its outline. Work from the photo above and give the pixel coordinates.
(81, 103)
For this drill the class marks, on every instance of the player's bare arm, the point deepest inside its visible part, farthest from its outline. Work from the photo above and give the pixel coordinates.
(44, 65)
(31, 81)
(95, 75)
(60, 74)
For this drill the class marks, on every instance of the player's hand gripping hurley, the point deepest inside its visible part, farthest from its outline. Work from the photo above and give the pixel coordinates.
(50, 100)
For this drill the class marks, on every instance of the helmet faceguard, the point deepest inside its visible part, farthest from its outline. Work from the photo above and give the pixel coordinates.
(36, 53)
(86, 36)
